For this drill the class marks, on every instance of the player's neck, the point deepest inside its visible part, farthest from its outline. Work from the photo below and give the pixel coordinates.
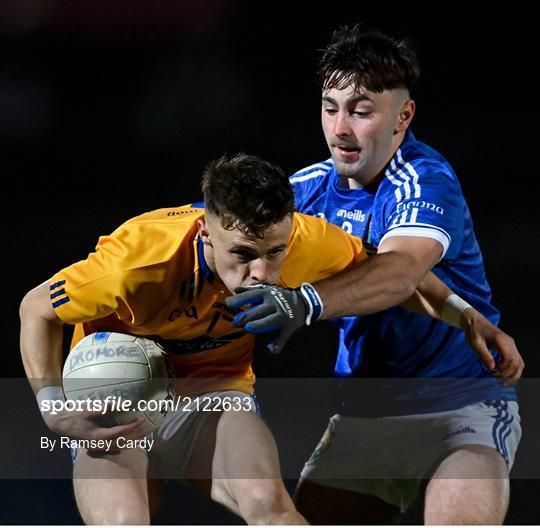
(362, 183)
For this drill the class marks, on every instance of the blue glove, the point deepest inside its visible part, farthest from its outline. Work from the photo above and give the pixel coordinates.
(274, 309)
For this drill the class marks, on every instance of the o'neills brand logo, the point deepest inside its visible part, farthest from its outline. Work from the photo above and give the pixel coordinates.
(103, 352)
(356, 214)
(461, 430)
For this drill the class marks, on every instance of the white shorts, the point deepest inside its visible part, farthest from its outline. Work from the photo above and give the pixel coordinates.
(176, 437)
(388, 457)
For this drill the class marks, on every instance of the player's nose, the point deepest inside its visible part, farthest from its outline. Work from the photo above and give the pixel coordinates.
(341, 124)
(259, 271)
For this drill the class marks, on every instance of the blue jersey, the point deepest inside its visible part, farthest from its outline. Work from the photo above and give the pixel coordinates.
(419, 195)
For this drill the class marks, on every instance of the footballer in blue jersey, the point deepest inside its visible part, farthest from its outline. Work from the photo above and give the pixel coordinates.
(400, 195)
(435, 413)
(419, 196)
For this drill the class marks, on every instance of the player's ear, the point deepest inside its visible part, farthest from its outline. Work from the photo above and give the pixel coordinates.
(203, 231)
(405, 116)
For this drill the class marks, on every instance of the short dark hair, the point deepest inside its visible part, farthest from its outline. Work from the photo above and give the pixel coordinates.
(247, 192)
(368, 59)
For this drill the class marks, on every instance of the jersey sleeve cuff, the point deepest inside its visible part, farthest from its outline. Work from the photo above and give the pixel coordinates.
(58, 295)
(437, 234)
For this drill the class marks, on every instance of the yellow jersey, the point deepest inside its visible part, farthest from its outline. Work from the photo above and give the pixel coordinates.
(149, 278)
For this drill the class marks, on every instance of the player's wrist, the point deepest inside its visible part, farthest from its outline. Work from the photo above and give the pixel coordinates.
(452, 310)
(313, 301)
(46, 396)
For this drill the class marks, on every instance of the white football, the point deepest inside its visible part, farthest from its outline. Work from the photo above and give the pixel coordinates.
(124, 367)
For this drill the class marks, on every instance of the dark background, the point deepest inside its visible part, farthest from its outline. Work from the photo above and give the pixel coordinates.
(114, 108)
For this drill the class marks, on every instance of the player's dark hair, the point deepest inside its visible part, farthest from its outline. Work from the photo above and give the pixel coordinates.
(247, 192)
(368, 59)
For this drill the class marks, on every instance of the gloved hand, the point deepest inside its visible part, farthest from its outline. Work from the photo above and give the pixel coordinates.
(275, 309)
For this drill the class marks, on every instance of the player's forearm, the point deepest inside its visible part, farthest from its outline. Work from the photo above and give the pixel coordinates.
(429, 296)
(378, 283)
(41, 346)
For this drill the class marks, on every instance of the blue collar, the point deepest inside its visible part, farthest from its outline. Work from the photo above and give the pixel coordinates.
(207, 272)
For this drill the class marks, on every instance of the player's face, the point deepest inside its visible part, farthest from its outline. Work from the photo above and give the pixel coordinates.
(363, 129)
(241, 260)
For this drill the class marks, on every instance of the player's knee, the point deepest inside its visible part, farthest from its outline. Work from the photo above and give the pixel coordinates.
(468, 502)
(120, 515)
(266, 502)
(493, 516)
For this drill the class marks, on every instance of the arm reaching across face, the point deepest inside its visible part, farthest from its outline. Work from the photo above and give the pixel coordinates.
(387, 279)
(373, 284)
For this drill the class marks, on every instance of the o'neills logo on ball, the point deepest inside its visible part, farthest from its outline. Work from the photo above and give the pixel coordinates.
(102, 352)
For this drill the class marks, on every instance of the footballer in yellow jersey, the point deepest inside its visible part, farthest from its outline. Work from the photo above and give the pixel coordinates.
(151, 277)
(168, 275)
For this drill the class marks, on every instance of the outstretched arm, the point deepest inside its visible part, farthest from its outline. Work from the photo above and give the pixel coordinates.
(397, 275)
(385, 279)
(434, 298)
(41, 350)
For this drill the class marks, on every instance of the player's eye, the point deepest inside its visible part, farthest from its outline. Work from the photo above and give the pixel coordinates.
(244, 256)
(360, 113)
(330, 111)
(275, 252)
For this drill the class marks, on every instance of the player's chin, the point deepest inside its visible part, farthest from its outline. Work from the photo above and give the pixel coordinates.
(231, 286)
(346, 168)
